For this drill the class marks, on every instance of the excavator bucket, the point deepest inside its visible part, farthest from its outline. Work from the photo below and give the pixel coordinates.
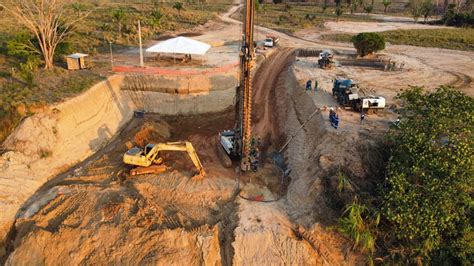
(199, 176)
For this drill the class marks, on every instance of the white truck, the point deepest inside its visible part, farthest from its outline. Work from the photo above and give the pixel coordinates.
(370, 103)
(271, 41)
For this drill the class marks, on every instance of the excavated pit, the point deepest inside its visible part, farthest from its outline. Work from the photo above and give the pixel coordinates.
(97, 196)
(96, 213)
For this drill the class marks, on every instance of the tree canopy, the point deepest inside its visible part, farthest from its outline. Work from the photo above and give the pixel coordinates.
(368, 42)
(47, 20)
(427, 197)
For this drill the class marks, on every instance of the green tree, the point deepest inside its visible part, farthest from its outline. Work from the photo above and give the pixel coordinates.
(386, 4)
(368, 8)
(427, 9)
(258, 6)
(368, 43)
(156, 17)
(178, 6)
(415, 9)
(119, 16)
(338, 12)
(430, 175)
(354, 5)
(49, 21)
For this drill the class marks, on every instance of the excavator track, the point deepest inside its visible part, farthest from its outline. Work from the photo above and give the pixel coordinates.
(153, 169)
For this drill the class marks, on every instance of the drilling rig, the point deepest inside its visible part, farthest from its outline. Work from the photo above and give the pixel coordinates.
(237, 142)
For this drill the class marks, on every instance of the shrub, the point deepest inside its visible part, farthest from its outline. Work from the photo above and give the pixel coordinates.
(338, 12)
(415, 7)
(23, 45)
(178, 6)
(453, 18)
(28, 69)
(368, 8)
(360, 223)
(368, 42)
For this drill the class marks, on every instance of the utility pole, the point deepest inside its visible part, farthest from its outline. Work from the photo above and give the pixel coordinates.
(111, 55)
(140, 41)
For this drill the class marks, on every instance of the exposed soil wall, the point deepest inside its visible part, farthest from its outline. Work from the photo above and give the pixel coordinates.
(48, 143)
(172, 95)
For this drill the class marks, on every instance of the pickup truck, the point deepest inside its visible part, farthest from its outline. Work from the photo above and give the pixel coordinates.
(271, 41)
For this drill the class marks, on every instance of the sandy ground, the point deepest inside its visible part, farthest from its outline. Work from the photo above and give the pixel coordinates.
(95, 213)
(415, 66)
(356, 27)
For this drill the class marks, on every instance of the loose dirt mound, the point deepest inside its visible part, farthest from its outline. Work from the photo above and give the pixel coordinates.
(35, 137)
(149, 131)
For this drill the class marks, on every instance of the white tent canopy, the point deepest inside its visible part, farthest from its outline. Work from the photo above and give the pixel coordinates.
(180, 45)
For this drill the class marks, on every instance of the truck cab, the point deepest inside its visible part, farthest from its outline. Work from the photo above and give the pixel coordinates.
(345, 91)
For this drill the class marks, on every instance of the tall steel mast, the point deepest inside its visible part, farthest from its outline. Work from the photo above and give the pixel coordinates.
(244, 91)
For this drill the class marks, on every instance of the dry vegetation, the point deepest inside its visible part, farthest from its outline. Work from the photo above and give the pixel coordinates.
(290, 18)
(92, 35)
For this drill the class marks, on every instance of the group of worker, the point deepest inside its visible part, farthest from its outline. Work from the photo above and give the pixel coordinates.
(309, 85)
(187, 58)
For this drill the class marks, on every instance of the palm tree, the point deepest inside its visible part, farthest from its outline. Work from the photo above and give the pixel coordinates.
(156, 17)
(386, 3)
(119, 16)
(178, 6)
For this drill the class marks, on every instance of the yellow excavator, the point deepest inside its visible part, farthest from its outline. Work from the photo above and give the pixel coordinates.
(144, 158)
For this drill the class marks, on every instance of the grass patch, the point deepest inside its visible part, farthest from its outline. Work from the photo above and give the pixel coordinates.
(291, 18)
(93, 34)
(456, 39)
(18, 101)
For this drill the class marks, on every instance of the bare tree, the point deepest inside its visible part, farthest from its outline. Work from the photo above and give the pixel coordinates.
(48, 20)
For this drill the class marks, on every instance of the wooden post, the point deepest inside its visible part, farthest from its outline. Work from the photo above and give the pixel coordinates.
(140, 42)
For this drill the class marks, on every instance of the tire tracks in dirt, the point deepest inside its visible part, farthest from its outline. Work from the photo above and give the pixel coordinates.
(462, 80)
(270, 97)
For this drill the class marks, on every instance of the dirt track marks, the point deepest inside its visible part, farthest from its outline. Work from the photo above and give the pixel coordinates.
(270, 96)
(462, 81)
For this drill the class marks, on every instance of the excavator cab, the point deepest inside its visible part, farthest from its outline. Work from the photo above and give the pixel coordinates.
(148, 148)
